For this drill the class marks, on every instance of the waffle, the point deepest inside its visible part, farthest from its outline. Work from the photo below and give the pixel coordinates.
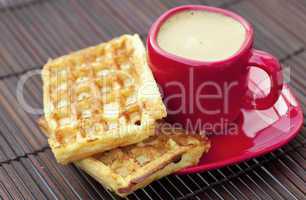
(126, 169)
(100, 98)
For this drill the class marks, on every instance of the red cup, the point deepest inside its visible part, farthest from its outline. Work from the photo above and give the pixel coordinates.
(210, 92)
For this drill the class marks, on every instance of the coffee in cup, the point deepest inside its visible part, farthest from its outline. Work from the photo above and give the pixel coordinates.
(201, 35)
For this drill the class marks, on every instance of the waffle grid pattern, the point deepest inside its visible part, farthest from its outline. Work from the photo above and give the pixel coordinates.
(126, 169)
(97, 91)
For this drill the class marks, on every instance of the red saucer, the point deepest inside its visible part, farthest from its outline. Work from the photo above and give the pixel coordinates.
(259, 132)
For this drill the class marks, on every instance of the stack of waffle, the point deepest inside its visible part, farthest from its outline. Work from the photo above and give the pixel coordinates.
(101, 108)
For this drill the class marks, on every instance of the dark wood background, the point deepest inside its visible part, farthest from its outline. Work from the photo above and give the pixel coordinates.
(33, 31)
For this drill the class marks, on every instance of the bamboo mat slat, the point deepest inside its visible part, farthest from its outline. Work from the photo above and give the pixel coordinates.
(295, 24)
(14, 3)
(19, 131)
(297, 66)
(33, 31)
(269, 35)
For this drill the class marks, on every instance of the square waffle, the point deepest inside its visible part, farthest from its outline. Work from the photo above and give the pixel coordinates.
(126, 169)
(100, 98)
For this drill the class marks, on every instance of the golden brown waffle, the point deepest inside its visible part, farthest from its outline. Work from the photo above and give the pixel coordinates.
(128, 168)
(100, 98)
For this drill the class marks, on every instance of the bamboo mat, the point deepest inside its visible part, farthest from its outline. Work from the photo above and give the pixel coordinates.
(33, 31)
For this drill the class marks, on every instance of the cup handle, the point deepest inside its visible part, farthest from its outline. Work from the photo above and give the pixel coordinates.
(272, 67)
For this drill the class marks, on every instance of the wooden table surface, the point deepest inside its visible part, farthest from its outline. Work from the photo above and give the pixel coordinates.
(33, 31)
